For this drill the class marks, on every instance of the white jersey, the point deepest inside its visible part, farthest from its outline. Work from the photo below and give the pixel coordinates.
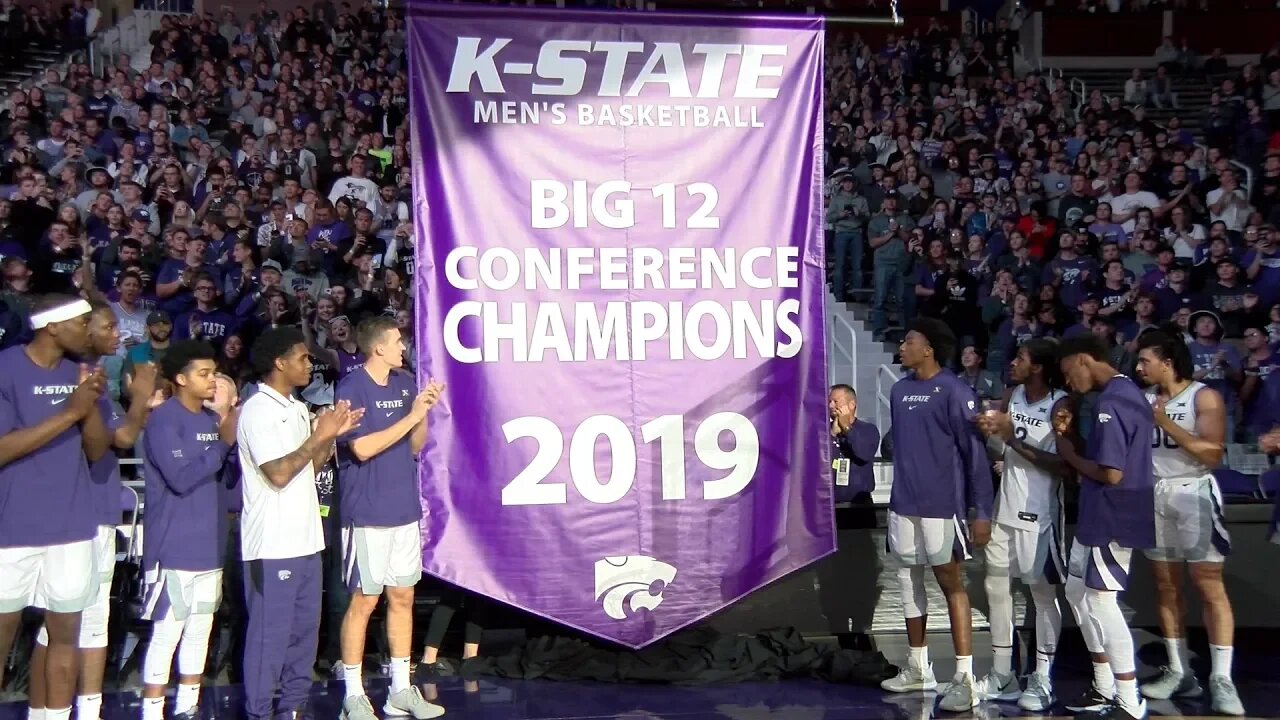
(1168, 459)
(1030, 498)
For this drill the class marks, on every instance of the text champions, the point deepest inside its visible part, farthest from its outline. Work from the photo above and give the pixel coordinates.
(490, 331)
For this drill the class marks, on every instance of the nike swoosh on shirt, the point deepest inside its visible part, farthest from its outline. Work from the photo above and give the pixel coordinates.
(393, 412)
(59, 401)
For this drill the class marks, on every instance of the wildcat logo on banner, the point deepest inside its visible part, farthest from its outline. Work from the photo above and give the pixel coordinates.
(620, 281)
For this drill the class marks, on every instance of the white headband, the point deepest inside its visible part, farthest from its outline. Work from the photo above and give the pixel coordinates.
(61, 313)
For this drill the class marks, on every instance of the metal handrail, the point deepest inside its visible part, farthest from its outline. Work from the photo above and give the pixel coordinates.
(1080, 95)
(841, 329)
(886, 376)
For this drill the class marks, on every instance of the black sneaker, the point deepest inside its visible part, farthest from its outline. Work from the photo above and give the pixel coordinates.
(1117, 711)
(440, 668)
(1089, 701)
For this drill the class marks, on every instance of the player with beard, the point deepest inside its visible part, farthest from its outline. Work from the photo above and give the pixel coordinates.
(50, 430)
(104, 339)
(940, 473)
(185, 448)
(1027, 535)
(1189, 442)
(1116, 517)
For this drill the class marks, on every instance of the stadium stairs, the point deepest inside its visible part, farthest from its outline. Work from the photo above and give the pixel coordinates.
(31, 63)
(1193, 93)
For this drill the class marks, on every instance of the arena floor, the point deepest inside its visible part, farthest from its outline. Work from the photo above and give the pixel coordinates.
(489, 699)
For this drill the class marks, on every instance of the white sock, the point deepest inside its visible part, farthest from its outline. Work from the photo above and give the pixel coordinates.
(1044, 663)
(918, 658)
(1220, 660)
(188, 697)
(1178, 654)
(35, 713)
(153, 708)
(1103, 679)
(63, 714)
(964, 665)
(399, 674)
(1003, 663)
(1127, 693)
(352, 675)
(89, 707)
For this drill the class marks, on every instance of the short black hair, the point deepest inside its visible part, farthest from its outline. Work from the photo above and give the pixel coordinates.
(1087, 344)
(846, 388)
(370, 331)
(273, 345)
(181, 354)
(1171, 347)
(50, 301)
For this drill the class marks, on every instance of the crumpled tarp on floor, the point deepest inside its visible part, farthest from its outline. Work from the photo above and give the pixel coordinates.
(691, 657)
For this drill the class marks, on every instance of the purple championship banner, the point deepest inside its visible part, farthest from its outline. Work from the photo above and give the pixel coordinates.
(621, 283)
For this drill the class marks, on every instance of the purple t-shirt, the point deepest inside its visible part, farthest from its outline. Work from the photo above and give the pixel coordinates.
(383, 490)
(105, 473)
(46, 497)
(1072, 289)
(1121, 440)
(214, 325)
(348, 362)
(185, 522)
(1204, 358)
(939, 458)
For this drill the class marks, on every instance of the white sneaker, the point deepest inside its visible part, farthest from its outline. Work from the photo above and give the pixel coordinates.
(1001, 688)
(410, 702)
(1169, 684)
(961, 695)
(911, 680)
(1038, 696)
(1223, 697)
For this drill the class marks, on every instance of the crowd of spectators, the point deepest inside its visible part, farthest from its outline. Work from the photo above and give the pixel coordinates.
(256, 174)
(1012, 209)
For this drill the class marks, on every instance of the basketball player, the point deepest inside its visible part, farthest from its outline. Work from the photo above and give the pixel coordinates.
(1026, 537)
(104, 340)
(280, 528)
(381, 509)
(184, 449)
(940, 472)
(50, 429)
(1189, 442)
(1117, 516)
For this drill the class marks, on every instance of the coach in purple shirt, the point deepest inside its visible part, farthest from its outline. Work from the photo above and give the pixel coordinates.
(855, 443)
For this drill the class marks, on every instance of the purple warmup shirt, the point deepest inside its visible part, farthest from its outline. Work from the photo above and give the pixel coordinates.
(105, 473)
(1121, 440)
(46, 497)
(939, 458)
(185, 522)
(383, 490)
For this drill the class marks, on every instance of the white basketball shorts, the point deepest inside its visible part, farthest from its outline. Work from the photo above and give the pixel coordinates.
(918, 541)
(1032, 556)
(58, 578)
(377, 558)
(179, 594)
(1101, 568)
(93, 625)
(1189, 522)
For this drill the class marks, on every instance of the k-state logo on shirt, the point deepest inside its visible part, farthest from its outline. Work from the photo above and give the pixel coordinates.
(53, 389)
(916, 398)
